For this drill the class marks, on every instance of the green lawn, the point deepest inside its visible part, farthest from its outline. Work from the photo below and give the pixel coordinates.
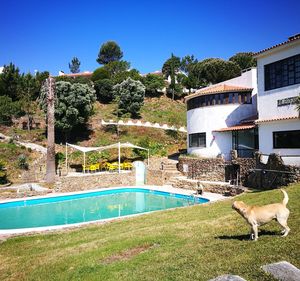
(194, 243)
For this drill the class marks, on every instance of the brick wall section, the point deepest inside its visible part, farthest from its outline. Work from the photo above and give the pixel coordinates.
(212, 169)
(70, 184)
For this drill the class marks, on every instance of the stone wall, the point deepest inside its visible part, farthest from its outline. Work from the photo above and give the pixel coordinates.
(272, 174)
(155, 177)
(76, 183)
(212, 169)
(245, 166)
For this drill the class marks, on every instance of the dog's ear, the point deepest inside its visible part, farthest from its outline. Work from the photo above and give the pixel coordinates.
(242, 207)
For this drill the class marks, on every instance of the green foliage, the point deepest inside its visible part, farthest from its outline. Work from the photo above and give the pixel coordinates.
(130, 95)
(104, 90)
(8, 109)
(154, 84)
(22, 162)
(122, 76)
(74, 66)
(100, 73)
(3, 176)
(171, 66)
(60, 158)
(73, 105)
(244, 60)
(110, 51)
(155, 148)
(9, 80)
(115, 67)
(187, 63)
(216, 70)
(73, 80)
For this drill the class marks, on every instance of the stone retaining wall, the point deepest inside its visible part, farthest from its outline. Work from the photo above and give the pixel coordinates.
(272, 174)
(70, 184)
(212, 169)
(155, 177)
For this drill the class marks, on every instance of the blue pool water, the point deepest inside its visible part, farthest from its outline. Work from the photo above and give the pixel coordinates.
(91, 206)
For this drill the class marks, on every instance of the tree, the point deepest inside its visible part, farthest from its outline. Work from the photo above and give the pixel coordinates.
(73, 105)
(8, 109)
(74, 65)
(244, 60)
(170, 66)
(10, 79)
(121, 76)
(100, 73)
(153, 83)
(214, 70)
(104, 90)
(27, 88)
(187, 63)
(110, 51)
(130, 95)
(116, 67)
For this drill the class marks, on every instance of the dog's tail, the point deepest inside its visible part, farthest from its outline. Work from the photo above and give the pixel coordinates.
(286, 197)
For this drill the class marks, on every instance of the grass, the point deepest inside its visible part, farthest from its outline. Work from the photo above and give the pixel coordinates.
(194, 243)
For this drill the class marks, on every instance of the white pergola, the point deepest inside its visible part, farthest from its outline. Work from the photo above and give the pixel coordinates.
(118, 145)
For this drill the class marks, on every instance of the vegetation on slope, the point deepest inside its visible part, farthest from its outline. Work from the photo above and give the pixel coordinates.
(193, 243)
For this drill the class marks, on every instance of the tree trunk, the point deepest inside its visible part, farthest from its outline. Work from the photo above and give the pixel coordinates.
(50, 172)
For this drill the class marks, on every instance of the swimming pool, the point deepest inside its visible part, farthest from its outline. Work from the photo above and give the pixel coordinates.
(84, 207)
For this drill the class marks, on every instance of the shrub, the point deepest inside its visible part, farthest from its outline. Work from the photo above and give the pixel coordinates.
(100, 73)
(22, 162)
(104, 90)
(3, 178)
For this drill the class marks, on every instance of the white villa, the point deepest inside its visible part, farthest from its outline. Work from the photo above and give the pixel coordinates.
(278, 70)
(255, 111)
(221, 117)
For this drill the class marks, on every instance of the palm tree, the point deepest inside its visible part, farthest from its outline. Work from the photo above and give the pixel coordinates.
(50, 171)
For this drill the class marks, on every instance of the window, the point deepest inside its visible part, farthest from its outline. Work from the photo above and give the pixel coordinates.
(282, 73)
(286, 139)
(218, 99)
(197, 140)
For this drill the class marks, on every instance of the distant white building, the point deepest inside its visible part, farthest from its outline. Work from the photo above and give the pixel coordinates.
(1, 69)
(278, 70)
(221, 117)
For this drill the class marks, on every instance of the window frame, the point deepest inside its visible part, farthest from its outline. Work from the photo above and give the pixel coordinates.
(275, 144)
(199, 145)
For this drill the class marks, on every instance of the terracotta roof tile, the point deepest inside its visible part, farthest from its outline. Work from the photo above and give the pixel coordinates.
(216, 89)
(78, 74)
(236, 128)
(277, 119)
(290, 40)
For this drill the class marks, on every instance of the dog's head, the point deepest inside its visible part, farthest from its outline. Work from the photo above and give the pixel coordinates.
(240, 207)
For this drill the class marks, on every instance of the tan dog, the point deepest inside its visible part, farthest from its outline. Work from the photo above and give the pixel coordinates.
(257, 216)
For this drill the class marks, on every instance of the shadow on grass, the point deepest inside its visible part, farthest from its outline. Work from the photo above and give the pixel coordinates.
(246, 236)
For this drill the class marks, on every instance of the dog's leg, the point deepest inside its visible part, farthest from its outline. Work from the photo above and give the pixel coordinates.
(255, 231)
(251, 234)
(283, 223)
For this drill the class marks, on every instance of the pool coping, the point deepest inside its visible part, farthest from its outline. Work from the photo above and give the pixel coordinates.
(212, 197)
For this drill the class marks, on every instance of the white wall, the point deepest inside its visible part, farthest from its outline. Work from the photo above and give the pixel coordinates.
(266, 130)
(267, 100)
(209, 118)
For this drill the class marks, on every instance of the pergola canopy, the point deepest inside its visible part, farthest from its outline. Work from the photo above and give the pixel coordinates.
(118, 146)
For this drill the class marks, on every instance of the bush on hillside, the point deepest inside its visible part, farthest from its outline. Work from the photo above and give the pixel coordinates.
(104, 90)
(100, 73)
(3, 179)
(130, 95)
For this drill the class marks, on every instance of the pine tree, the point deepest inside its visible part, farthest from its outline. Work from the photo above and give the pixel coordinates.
(75, 65)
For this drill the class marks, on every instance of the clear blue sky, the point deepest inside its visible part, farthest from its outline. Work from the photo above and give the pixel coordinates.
(45, 35)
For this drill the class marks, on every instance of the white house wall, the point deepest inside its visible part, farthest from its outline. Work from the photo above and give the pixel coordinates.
(267, 100)
(266, 136)
(209, 118)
